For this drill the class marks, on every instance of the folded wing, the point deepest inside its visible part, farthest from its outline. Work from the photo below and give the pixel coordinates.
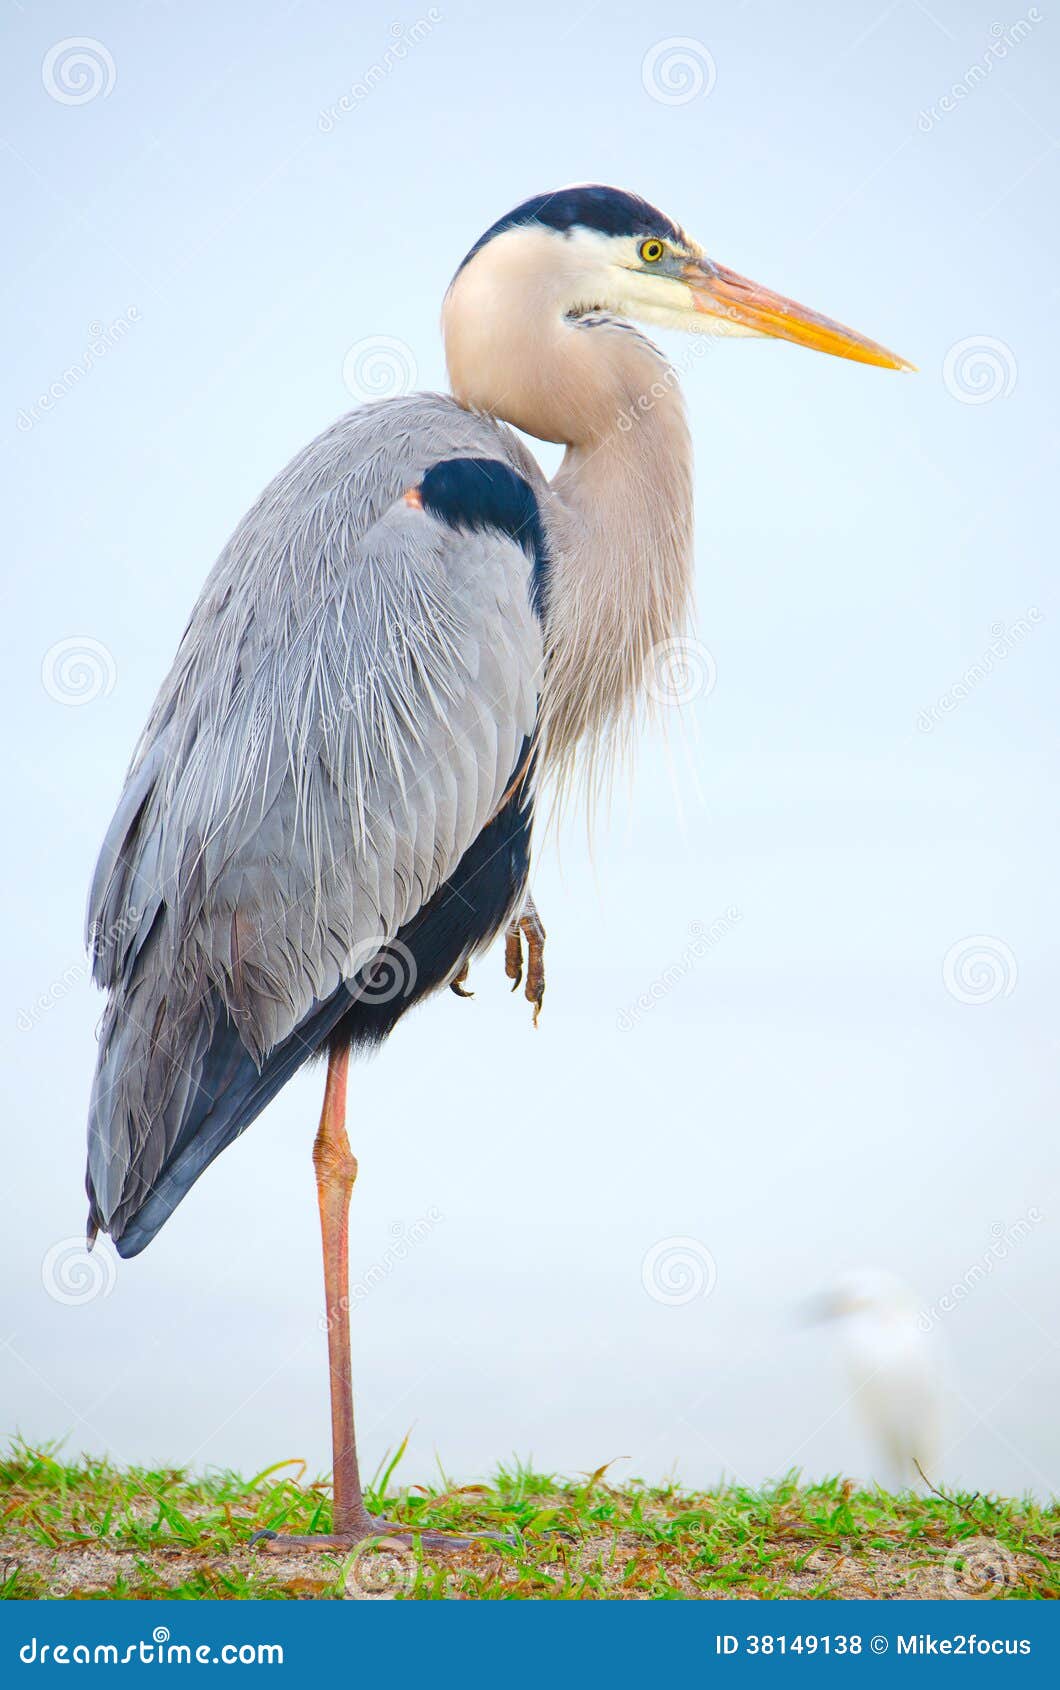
(344, 718)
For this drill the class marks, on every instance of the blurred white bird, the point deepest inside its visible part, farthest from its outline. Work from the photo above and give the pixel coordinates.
(893, 1371)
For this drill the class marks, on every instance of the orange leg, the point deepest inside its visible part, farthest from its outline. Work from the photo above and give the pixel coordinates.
(336, 1170)
(335, 1167)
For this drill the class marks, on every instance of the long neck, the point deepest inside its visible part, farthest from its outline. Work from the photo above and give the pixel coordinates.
(620, 506)
(620, 587)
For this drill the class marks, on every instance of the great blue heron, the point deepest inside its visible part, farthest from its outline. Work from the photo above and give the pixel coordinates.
(329, 810)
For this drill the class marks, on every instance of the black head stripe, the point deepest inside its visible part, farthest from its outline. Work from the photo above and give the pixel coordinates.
(610, 211)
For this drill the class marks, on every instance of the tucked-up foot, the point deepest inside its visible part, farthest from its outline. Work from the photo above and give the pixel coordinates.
(527, 925)
(459, 985)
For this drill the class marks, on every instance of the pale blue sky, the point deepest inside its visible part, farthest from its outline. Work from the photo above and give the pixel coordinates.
(809, 1095)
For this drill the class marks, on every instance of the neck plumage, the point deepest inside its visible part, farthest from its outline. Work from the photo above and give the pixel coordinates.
(620, 586)
(618, 512)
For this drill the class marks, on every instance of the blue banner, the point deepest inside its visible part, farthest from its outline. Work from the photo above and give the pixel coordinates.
(534, 1643)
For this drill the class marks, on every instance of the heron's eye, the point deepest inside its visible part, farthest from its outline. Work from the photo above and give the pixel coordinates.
(651, 251)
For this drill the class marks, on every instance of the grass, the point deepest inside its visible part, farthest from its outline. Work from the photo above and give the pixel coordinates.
(89, 1530)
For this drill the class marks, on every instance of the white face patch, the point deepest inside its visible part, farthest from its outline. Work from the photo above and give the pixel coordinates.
(607, 270)
(593, 272)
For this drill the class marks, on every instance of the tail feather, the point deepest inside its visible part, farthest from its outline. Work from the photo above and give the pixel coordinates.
(132, 1196)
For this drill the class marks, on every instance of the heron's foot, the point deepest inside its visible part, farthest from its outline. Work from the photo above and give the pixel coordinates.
(527, 925)
(459, 985)
(380, 1533)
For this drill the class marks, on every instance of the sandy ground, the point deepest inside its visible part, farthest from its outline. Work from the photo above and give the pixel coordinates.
(621, 1562)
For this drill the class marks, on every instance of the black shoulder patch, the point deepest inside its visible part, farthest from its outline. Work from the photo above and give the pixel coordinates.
(469, 493)
(611, 211)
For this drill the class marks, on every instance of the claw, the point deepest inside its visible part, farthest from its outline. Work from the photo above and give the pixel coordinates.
(513, 954)
(527, 924)
(458, 985)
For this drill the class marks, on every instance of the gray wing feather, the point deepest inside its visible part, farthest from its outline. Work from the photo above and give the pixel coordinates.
(342, 719)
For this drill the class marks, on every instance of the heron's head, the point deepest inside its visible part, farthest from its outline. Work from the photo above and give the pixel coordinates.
(584, 250)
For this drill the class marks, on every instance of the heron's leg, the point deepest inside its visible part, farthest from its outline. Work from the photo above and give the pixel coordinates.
(528, 923)
(336, 1170)
(335, 1167)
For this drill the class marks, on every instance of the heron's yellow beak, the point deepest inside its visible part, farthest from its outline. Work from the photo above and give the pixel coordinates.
(721, 293)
